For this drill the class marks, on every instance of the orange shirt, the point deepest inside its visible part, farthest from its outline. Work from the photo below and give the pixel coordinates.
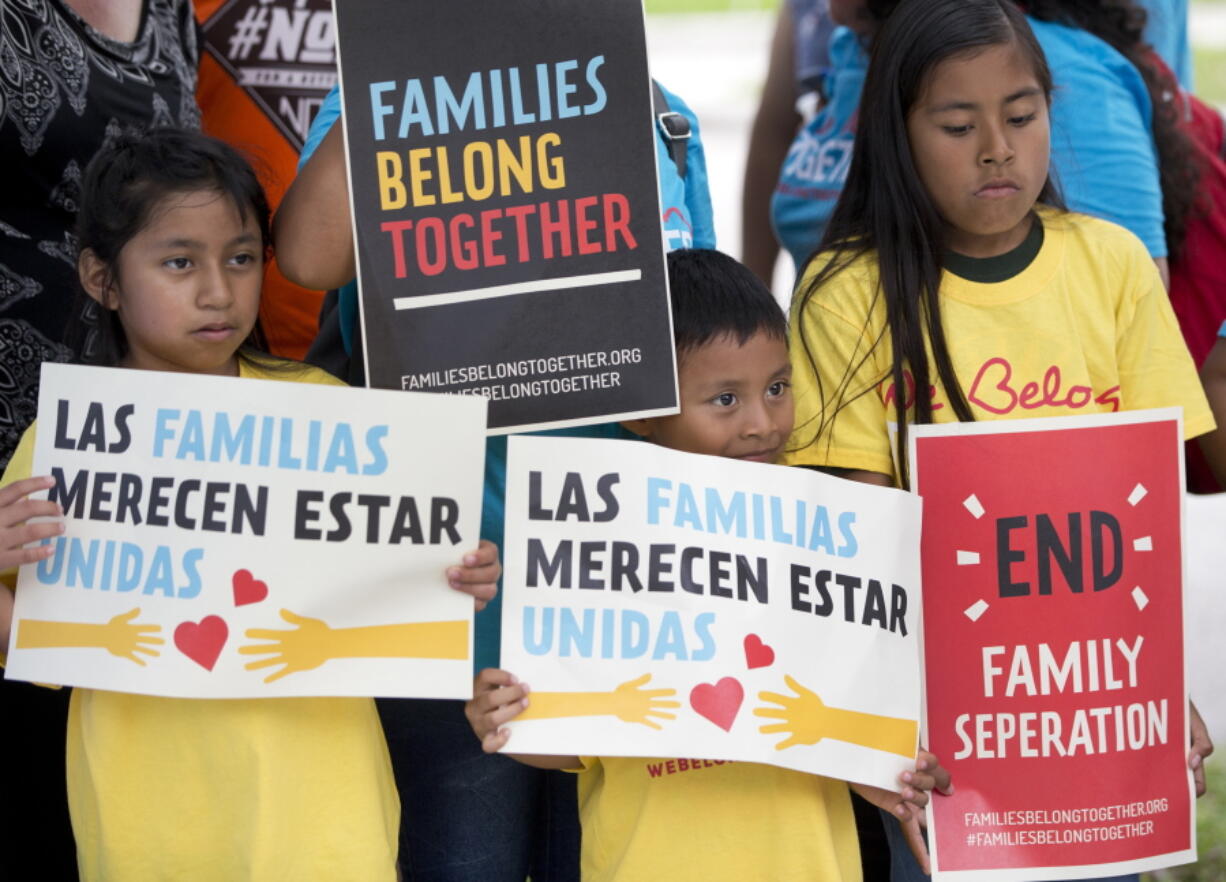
(264, 70)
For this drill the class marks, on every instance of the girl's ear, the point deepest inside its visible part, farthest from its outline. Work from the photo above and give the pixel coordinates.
(96, 278)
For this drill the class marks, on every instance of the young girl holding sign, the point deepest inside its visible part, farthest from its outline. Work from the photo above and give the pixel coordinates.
(173, 233)
(949, 284)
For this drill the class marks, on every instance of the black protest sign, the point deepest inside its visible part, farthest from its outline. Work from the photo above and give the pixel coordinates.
(502, 166)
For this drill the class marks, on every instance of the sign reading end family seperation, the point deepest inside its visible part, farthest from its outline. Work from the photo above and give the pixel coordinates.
(249, 538)
(666, 604)
(505, 206)
(1053, 632)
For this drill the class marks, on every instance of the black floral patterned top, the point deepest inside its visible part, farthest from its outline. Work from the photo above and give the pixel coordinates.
(65, 90)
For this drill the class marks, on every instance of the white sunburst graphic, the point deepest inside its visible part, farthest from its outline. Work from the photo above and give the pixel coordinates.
(966, 558)
(1143, 543)
(971, 558)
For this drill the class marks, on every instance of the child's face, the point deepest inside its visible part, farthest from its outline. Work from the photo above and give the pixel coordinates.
(188, 285)
(736, 401)
(979, 137)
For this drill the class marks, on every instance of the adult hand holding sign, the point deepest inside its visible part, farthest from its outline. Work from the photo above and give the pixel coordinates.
(119, 636)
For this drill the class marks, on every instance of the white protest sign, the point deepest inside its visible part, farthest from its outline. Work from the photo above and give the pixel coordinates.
(666, 604)
(232, 538)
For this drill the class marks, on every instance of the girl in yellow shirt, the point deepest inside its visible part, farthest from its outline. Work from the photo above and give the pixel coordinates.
(174, 232)
(950, 285)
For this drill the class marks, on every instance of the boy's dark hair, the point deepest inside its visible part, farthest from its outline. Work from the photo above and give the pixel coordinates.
(123, 184)
(716, 296)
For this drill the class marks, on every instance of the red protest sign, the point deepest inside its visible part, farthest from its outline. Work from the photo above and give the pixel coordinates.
(1053, 644)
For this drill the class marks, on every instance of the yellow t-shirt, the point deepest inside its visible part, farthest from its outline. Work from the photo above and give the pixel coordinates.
(699, 820)
(1086, 328)
(225, 790)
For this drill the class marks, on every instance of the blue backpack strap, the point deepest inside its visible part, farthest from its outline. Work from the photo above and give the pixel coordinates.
(674, 127)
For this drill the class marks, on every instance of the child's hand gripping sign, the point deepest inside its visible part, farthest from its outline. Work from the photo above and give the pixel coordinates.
(671, 604)
(248, 539)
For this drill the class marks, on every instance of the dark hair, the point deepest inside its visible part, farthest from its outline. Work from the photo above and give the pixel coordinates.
(884, 207)
(715, 296)
(123, 185)
(1121, 23)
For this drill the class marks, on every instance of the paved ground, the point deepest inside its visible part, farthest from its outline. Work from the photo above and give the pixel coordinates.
(717, 63)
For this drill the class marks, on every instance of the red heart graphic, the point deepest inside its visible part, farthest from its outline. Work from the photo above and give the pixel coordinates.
(247, 588)
(719, 703)
(202, 642)
(757, 653)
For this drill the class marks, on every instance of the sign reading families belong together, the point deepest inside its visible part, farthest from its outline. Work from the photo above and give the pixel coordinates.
(505, 206)
(665, 604)
(1053, 625)
(246, 538)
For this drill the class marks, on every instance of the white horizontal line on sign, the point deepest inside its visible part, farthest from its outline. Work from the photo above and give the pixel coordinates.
(586, 281)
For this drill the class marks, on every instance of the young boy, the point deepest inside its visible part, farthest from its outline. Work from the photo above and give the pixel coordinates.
(712, 820)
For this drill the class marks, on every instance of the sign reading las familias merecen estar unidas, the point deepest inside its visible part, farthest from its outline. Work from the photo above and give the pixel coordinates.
(503, 177)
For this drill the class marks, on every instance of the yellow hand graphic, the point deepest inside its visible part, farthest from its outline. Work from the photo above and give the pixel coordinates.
(124, 639)
(302, 649)
(314, 642)
(807, 720)
(118, 636)
(632, 704)
(628, 702)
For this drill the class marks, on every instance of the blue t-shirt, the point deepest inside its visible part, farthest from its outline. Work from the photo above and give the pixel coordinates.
(686, 222)
(685, 204)
(1104, 160)
(1102, 135)
(813, 174)
(1167, 31)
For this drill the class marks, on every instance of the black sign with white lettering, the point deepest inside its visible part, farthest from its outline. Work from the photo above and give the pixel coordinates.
(502, 165)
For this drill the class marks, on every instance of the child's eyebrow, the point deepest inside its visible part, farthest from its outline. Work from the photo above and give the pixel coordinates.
(179, 242)
(1028, 92)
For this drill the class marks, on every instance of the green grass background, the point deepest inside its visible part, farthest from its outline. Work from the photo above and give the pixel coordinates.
(1210, 834)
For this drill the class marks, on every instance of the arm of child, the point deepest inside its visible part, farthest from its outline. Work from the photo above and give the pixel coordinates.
(1213, 378)
(477, 574)
(16, 508)
(312, 229)
(499, 697)
(908, 806)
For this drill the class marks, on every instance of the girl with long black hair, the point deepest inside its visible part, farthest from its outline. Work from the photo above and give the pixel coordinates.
(950, 283)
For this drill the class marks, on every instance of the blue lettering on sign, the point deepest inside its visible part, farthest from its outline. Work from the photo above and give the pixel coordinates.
(111, 565)
(622, 634)
(277, 442)
(794, 522)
